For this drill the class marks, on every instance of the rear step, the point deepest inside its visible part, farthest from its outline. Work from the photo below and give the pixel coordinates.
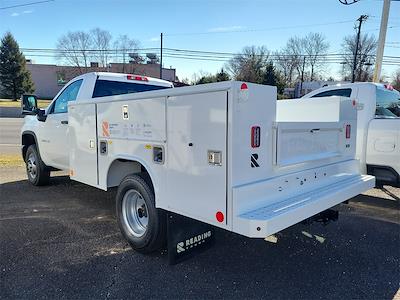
(270, 219)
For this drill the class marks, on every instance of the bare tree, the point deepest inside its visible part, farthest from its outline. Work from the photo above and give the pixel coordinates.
(302, 53)
(315, 47)
(101, 41)
(366, 52)
(250, 64)
(74, 47)
(123, 46)
(286, 65)
(294, 52)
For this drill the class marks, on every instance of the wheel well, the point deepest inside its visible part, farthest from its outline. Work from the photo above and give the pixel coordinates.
(120, 168)
(27, 140)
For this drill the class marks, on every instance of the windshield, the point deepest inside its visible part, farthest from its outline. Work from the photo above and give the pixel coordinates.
(387, 103)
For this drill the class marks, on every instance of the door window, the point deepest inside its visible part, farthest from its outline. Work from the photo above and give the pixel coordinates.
(336, 92)
(68, 94)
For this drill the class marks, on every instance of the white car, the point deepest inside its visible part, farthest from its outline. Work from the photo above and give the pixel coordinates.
(378, 127)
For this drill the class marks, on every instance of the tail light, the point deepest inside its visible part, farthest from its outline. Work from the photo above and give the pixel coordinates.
(255, 136)
(348, 131)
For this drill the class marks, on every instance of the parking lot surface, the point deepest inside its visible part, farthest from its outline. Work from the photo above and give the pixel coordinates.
(62, 241)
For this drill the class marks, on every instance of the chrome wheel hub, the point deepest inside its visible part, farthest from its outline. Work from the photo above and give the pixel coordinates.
(135, 213)
(31, 166)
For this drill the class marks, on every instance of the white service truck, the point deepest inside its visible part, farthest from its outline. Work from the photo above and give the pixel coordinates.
(378, 127)
(226, 154)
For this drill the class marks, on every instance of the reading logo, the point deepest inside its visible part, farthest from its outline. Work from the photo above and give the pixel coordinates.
(193, 242)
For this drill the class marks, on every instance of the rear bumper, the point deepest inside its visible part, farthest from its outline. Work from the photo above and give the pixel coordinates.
(268, 219)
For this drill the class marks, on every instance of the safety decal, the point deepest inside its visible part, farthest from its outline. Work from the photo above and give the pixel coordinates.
(106, 129)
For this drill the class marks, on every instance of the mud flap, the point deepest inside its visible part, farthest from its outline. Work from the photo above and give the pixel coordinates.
(187, 237)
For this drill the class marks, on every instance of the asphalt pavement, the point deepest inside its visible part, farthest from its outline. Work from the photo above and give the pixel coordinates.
(10, 139)
(62, 241)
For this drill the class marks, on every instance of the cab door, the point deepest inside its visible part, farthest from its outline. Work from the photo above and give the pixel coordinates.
(53, 134)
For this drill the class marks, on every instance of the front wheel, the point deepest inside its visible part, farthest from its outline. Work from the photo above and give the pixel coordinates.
(141, 223)
(37, 172)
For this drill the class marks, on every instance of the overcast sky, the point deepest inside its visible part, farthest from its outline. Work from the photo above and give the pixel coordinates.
(218, 25)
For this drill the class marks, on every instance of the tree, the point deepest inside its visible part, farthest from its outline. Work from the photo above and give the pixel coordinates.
(366, 51)
(294, 52)
(15, 79)
(101, 41)
(396, 80)
(272, 77)
(314, 46)
(290, 59)
(287, 66)
(209, 78)
(222, 76)
(74, 47)
(250, 64)
(123, 46)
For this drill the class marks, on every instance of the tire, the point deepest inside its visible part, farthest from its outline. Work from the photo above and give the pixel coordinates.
(141, 223)
(36, 170)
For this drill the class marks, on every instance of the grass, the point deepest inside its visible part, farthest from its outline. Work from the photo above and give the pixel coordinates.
(14, 160)
(10, 103)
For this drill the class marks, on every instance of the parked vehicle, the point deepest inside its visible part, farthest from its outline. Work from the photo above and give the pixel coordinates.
(220, 153)
(378, 127)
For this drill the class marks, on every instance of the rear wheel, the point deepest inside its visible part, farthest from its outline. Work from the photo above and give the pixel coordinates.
(37, 172)
(141, 223)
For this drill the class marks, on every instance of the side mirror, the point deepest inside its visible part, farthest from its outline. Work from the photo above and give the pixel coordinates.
(29, 104)
(41, 116)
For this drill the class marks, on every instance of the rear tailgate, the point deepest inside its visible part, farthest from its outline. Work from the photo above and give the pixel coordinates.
(266, 207)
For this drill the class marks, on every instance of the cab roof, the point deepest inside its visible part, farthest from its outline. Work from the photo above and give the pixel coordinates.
(131, 78)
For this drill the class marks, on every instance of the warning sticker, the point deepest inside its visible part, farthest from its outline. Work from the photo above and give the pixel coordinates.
(106, 129)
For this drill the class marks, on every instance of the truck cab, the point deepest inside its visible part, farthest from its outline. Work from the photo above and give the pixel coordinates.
(378, 126)
(48, 130)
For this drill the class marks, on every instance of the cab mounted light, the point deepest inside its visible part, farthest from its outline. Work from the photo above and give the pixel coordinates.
(137, 77)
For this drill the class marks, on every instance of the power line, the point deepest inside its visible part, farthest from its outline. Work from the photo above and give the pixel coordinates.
(257, 30)
(25, 4)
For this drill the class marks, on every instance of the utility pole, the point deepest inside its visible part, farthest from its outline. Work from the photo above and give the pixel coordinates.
(381, 41)
(302, 75)
(360, 20)
(161, 46)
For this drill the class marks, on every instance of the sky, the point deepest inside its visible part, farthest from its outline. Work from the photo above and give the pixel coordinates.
(207, 25)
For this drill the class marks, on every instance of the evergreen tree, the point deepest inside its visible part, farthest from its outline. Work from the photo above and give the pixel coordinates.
(269, 75)
(272, 77)
(222, 76)
(15, 79)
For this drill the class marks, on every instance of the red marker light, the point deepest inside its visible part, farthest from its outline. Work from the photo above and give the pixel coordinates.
(219, 216)
(255, 136)
(348, 131)
(243, 86)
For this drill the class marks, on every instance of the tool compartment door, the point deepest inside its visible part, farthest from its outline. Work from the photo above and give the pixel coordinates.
(197, 129)
(83, 143)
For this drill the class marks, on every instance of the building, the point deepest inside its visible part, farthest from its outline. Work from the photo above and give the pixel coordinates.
(49, 79)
